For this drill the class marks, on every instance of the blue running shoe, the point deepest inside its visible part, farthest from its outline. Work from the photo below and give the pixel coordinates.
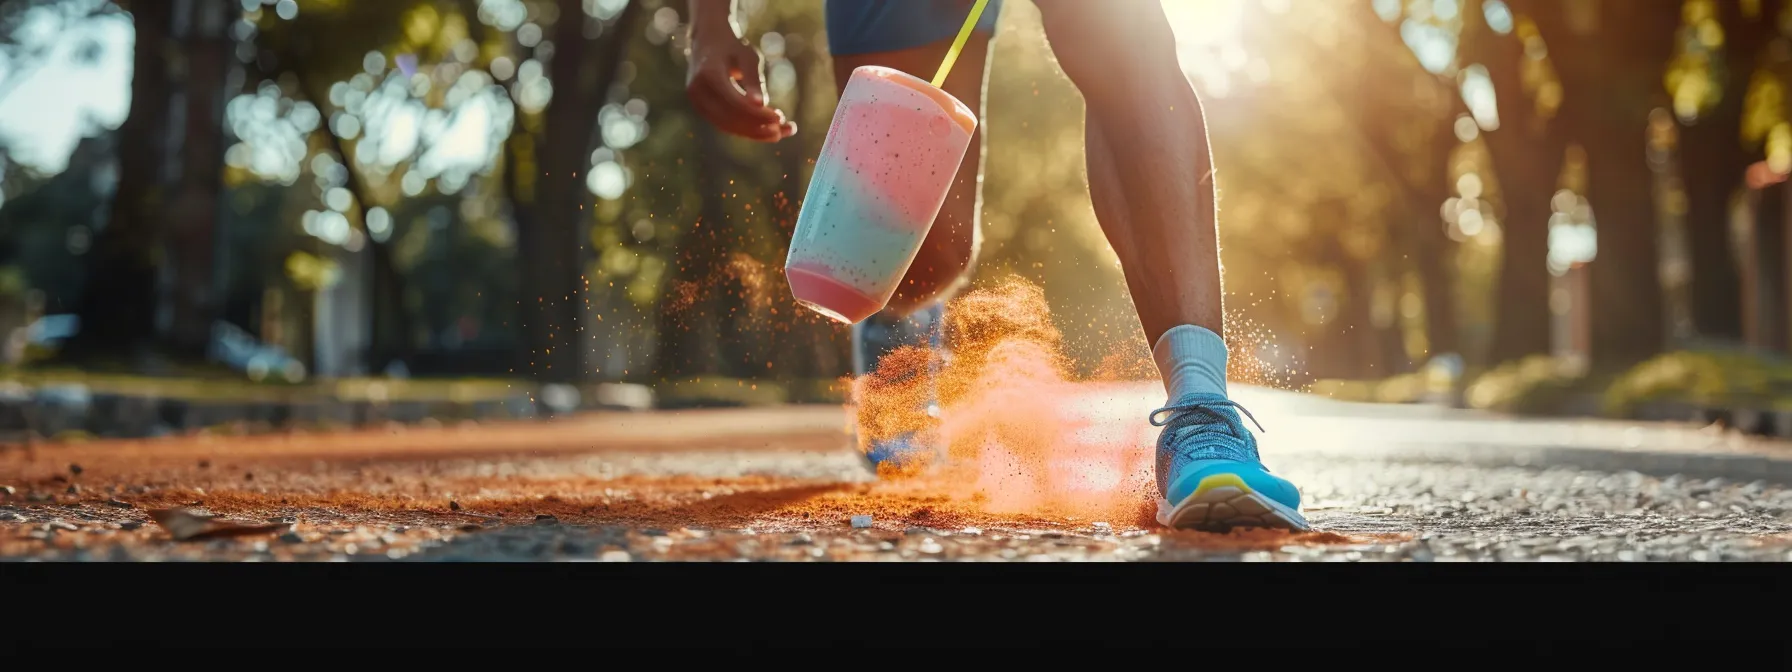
(875, 338)
(1210, 475)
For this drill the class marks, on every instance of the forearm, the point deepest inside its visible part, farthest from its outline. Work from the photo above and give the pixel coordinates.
(713, 17)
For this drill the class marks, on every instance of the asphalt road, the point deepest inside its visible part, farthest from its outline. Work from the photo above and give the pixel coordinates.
(1062, 484)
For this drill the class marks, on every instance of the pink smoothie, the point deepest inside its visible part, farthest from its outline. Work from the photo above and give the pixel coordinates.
(889, 159)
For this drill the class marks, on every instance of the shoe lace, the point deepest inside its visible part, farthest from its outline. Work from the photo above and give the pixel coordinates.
(1201, 414)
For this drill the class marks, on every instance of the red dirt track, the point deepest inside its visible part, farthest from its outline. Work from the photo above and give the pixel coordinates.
(693, 485)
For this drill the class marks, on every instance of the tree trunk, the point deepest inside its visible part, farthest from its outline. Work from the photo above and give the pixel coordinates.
(1612, 76)
(1527, 160)
(1434, 257)
(1715, 158)
(1765, 305)
(117, 307)
(206, 55)
(551, 231)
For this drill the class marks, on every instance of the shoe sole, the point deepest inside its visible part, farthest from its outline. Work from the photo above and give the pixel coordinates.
(1223, 502)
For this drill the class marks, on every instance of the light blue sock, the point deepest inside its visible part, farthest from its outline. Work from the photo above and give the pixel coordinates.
(1192, 360)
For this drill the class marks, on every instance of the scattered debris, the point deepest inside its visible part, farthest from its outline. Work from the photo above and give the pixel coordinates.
(291, 538)
(186, 524)
(861, 522)
(130, 525)
(469, 527)
(75, 469)
(545, 519)
(118, 503)
(74, 489)
(972, 531)
(1103, 528)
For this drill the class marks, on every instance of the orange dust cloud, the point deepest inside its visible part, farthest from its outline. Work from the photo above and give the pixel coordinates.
(1021, 436)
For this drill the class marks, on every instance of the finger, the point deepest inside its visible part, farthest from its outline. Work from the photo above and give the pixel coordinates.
(726, 92)
(728, 120)
(750, 77)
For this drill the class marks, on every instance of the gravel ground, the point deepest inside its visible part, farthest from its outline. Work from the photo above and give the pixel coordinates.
(779, 485)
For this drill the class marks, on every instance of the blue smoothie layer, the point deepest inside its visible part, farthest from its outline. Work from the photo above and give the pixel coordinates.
(848, 229)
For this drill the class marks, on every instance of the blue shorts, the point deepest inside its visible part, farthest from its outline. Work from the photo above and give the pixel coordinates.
(871, 26)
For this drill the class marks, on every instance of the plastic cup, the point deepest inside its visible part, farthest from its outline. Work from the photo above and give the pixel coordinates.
(889, 160)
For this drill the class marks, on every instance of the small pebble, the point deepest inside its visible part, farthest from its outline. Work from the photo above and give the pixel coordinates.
(614, 556)
(75, 469)
(861, 522)
(7, 490)
(118, 504)
(545, 519)
(130, 525)
(453, 505)
(469, 527)
(205, 464)
(291, 538)
(248, 476)
(74, 489)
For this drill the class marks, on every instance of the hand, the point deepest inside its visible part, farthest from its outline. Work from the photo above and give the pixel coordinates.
(726, 85)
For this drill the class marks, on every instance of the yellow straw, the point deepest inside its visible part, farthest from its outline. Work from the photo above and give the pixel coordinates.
(964, 35)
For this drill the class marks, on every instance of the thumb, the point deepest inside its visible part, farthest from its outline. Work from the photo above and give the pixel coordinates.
(748, 71)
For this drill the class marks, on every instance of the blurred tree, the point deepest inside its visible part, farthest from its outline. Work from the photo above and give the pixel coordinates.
(1416, 160)
(1612, 56)
(544, 165)
(170, 167)
(1715, 151)
(1526, 150)
(321, 44)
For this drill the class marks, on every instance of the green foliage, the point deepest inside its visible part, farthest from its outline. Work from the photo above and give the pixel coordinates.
(1696, 377)
(1534, 384)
